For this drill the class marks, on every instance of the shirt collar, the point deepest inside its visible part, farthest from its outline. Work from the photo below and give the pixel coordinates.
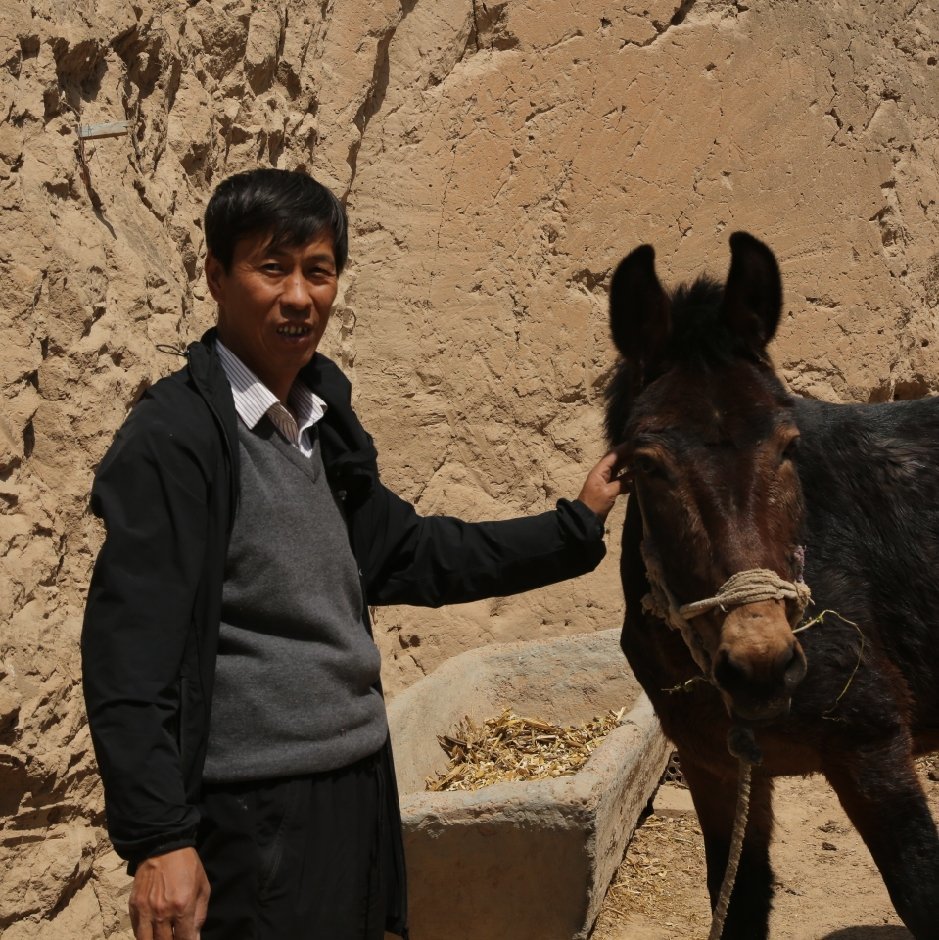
(253, 399)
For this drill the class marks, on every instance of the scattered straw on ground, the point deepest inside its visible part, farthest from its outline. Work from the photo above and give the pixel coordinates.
(659, 883)
(659, 890)
(514, 748)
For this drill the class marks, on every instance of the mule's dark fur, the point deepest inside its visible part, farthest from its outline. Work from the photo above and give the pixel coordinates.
(860, 492)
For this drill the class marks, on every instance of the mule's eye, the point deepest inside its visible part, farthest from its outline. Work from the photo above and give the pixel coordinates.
(647, 466)
(790, 450)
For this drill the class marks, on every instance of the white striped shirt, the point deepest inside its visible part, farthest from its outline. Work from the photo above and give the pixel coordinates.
(254, 400)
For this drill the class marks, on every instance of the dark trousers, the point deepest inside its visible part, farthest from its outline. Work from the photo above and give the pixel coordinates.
(300, 858)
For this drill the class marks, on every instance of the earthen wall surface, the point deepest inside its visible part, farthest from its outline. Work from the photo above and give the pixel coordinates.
(497, 161)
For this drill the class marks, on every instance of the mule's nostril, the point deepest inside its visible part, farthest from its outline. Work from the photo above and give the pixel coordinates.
(753, 678)
(729, 674)
(795, 666)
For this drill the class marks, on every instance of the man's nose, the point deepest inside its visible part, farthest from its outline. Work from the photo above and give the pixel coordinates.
(295, 293)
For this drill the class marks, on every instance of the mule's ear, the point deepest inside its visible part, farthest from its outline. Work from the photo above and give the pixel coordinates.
(753, 295)
(639, 308)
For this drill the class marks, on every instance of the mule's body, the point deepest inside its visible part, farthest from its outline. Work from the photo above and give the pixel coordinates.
(719, 487)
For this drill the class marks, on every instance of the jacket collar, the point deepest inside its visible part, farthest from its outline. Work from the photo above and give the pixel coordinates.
(349, 455)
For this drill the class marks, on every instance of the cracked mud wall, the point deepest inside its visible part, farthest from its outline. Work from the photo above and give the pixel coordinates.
(497, 160)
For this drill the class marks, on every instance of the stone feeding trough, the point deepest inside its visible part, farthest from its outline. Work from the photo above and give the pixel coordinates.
(522, 860)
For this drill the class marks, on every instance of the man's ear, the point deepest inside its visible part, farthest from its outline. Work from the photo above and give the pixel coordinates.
(214, 276)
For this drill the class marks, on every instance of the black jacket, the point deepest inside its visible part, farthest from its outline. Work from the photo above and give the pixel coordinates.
(167, 490)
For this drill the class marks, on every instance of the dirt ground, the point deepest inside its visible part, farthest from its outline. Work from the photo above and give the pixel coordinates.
(827, 887)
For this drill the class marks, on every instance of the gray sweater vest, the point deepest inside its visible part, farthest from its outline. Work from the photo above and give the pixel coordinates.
(296, 670)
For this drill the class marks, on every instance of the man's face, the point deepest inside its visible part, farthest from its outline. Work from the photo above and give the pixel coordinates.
(274, 304)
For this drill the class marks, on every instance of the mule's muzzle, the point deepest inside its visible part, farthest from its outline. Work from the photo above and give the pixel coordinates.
(759, 663)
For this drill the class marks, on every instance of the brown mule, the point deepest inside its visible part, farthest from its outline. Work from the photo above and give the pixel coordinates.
(734, 475)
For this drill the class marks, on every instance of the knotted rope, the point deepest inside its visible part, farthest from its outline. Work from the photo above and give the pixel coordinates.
(751, 587)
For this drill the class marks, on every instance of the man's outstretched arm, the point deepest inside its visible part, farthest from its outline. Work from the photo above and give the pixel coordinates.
(435, 560)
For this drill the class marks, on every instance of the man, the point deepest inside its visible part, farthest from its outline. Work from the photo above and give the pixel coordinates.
(247, 532)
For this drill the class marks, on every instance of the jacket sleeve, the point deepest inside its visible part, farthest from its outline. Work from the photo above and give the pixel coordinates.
(434, 560)
(152, 494)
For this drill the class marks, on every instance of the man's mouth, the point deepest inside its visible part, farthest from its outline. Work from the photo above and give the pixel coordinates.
(291, 329)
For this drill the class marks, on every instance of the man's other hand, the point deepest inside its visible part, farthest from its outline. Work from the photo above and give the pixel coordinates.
(608, 479)
(170, 897)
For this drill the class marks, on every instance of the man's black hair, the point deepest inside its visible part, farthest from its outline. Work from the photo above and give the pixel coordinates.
(288, 204)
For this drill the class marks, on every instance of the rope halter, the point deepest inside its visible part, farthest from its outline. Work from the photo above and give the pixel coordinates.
(744, 587)
(751, 587)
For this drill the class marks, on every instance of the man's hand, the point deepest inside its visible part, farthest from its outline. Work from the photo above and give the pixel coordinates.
(608, 479)
(170, 897)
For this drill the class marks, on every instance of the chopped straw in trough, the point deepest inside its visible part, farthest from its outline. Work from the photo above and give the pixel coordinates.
(514, 748)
